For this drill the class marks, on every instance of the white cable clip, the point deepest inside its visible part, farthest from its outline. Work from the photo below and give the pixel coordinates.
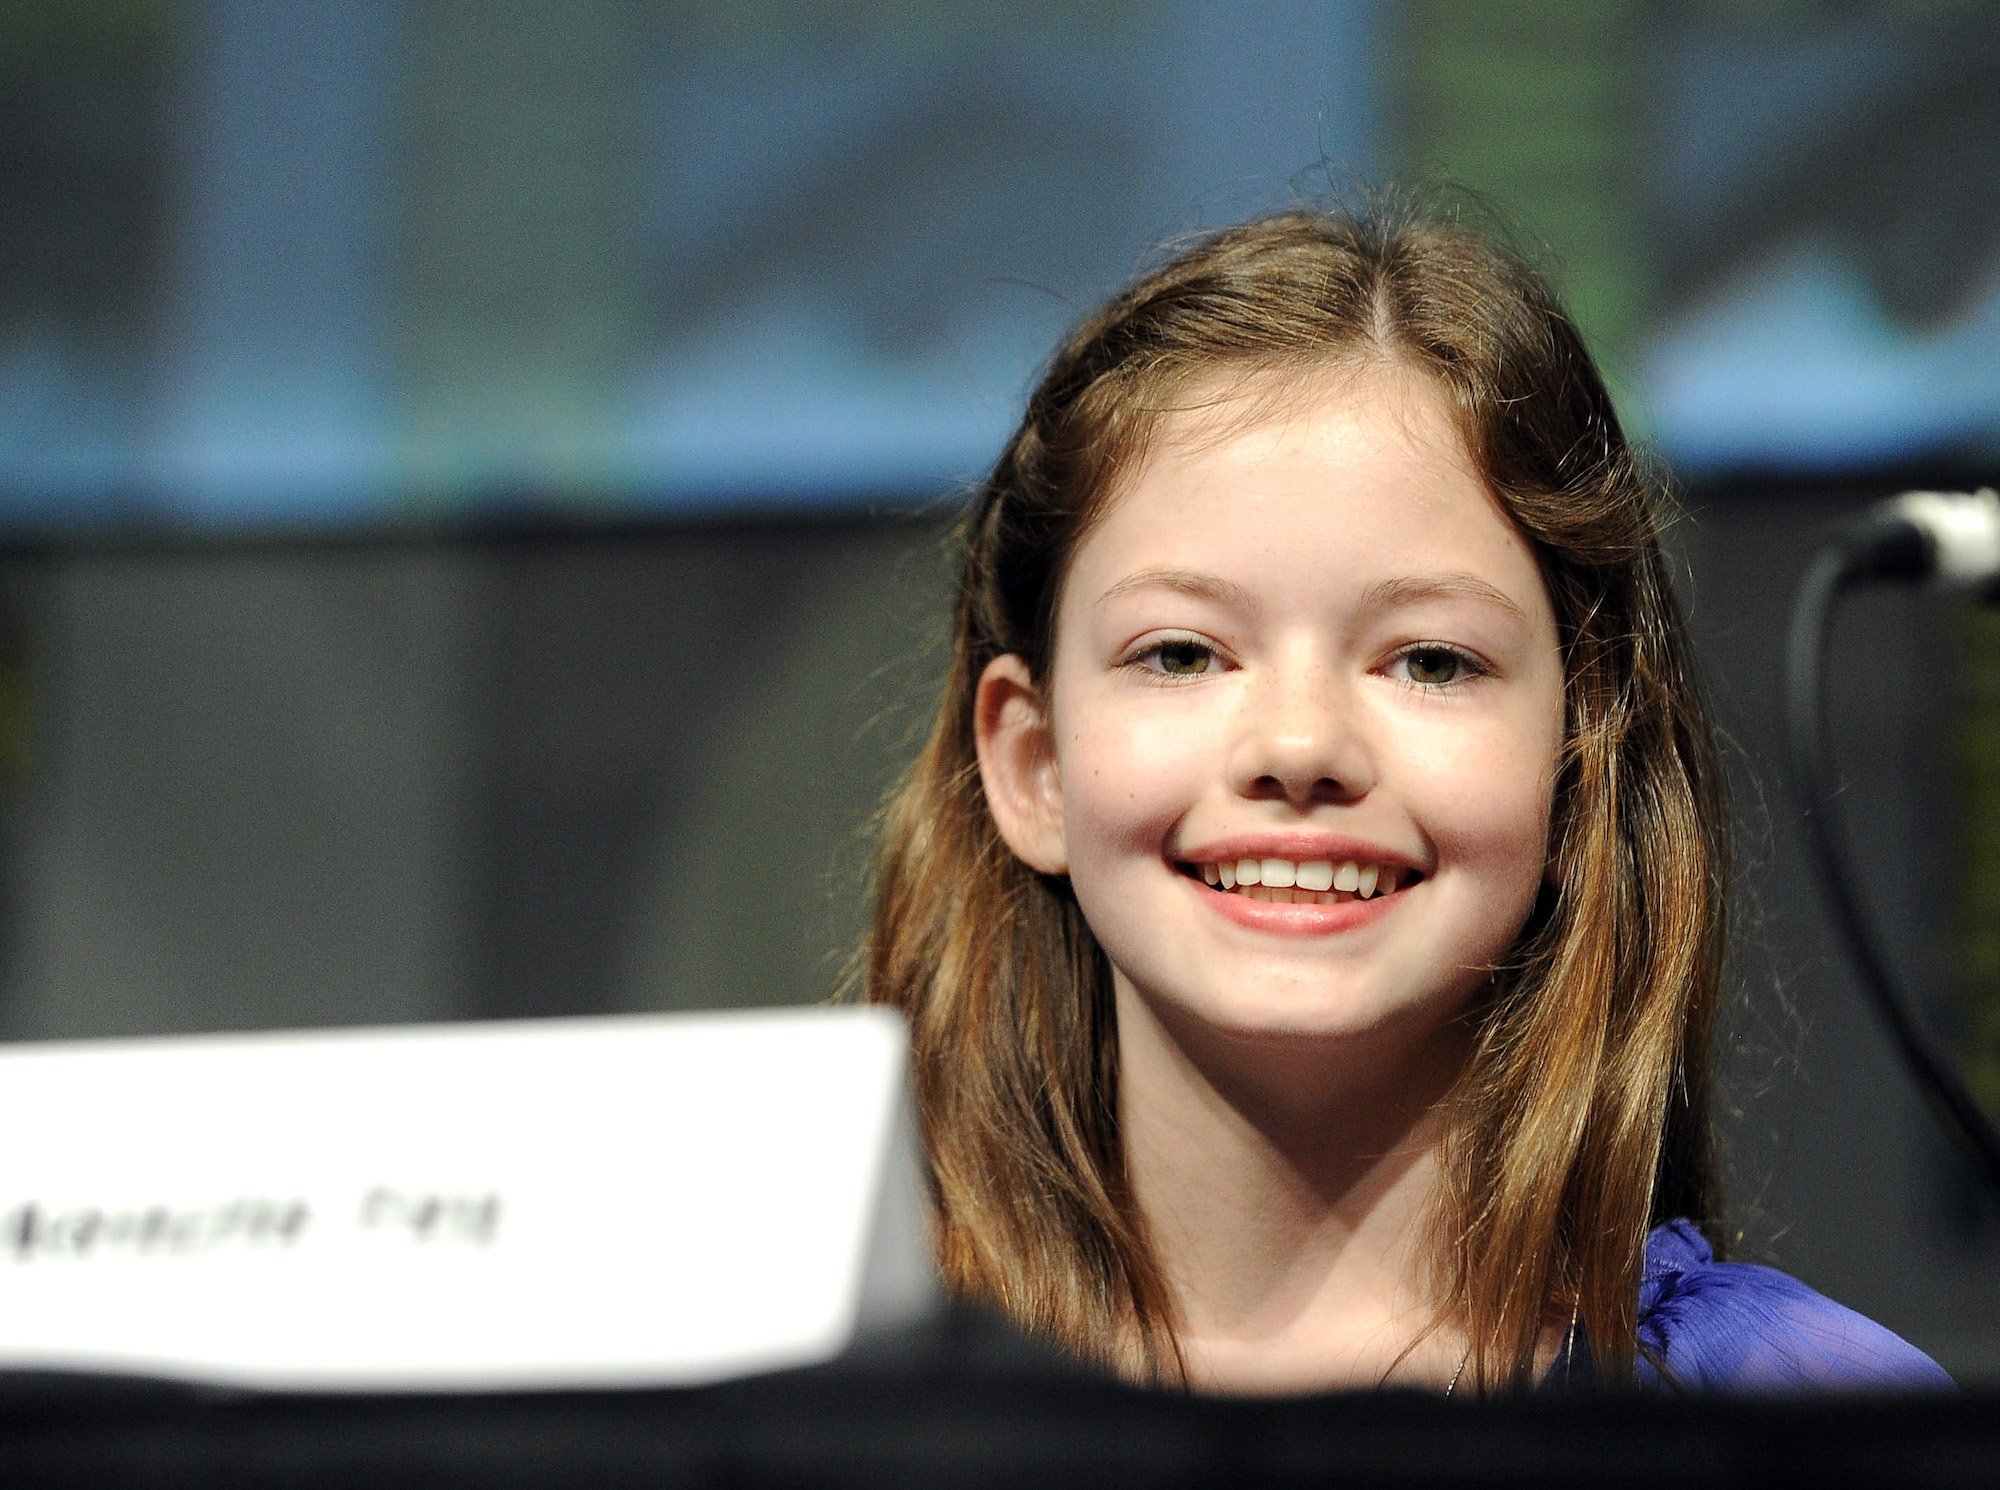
(1964, 533)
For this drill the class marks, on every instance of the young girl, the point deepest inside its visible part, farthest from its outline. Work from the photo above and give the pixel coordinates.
(1309, 904)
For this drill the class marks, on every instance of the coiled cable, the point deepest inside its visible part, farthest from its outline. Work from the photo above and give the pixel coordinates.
(1885, 545)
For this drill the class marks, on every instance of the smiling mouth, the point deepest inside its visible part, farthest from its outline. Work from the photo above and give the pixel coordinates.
(1302, 882)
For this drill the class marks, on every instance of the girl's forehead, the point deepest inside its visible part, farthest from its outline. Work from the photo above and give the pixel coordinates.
(1325, 453)
(1319, 497)
(1394, 401)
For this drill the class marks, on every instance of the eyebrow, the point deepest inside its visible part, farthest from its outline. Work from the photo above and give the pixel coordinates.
(1410, 589)
(1185, 581)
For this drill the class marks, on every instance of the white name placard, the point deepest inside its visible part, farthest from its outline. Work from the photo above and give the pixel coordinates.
(591, 1202)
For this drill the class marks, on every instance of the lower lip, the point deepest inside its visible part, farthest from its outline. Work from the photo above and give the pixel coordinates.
(1294, 920)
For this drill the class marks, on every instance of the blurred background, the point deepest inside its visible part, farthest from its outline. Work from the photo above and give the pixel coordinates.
(475, 478)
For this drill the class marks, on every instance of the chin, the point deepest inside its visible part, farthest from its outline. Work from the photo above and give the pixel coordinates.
(1306, 1024)
(1329, 1032)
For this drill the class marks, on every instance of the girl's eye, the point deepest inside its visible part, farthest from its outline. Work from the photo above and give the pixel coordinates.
(1178, 657)
(1436, 666)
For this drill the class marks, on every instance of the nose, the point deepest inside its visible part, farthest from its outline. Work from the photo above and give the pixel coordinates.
(1302, 736)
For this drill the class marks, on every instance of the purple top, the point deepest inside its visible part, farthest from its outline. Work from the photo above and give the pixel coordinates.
(1734, 1326)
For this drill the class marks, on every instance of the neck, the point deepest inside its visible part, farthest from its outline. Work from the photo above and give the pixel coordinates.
(1288, 1189)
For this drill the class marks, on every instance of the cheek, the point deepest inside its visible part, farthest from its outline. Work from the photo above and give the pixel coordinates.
(1130, 769)
(1490, 799)
(1120, 784)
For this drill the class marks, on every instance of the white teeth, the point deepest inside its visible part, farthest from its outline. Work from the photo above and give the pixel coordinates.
(1316, 876)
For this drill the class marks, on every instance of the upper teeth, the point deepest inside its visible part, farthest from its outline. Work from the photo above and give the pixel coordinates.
(1309, 874)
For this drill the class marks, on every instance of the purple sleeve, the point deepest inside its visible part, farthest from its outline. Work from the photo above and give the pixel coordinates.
(1727, 1326)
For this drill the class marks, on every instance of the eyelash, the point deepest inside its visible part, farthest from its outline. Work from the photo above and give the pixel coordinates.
(1147, 660)
(1152, 650)
(1471, 668)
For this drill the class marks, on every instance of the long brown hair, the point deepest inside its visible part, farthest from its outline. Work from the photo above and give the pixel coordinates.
(1582, 1116)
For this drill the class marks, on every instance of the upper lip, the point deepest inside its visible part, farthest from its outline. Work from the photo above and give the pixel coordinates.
(1300, 848)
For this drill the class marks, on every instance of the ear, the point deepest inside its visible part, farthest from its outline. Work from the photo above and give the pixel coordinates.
(1017, 765)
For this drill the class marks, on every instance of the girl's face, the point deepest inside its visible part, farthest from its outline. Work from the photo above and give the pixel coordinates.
(1299, 737)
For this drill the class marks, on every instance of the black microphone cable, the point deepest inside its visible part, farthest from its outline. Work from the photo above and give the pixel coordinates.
(1953, 538)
